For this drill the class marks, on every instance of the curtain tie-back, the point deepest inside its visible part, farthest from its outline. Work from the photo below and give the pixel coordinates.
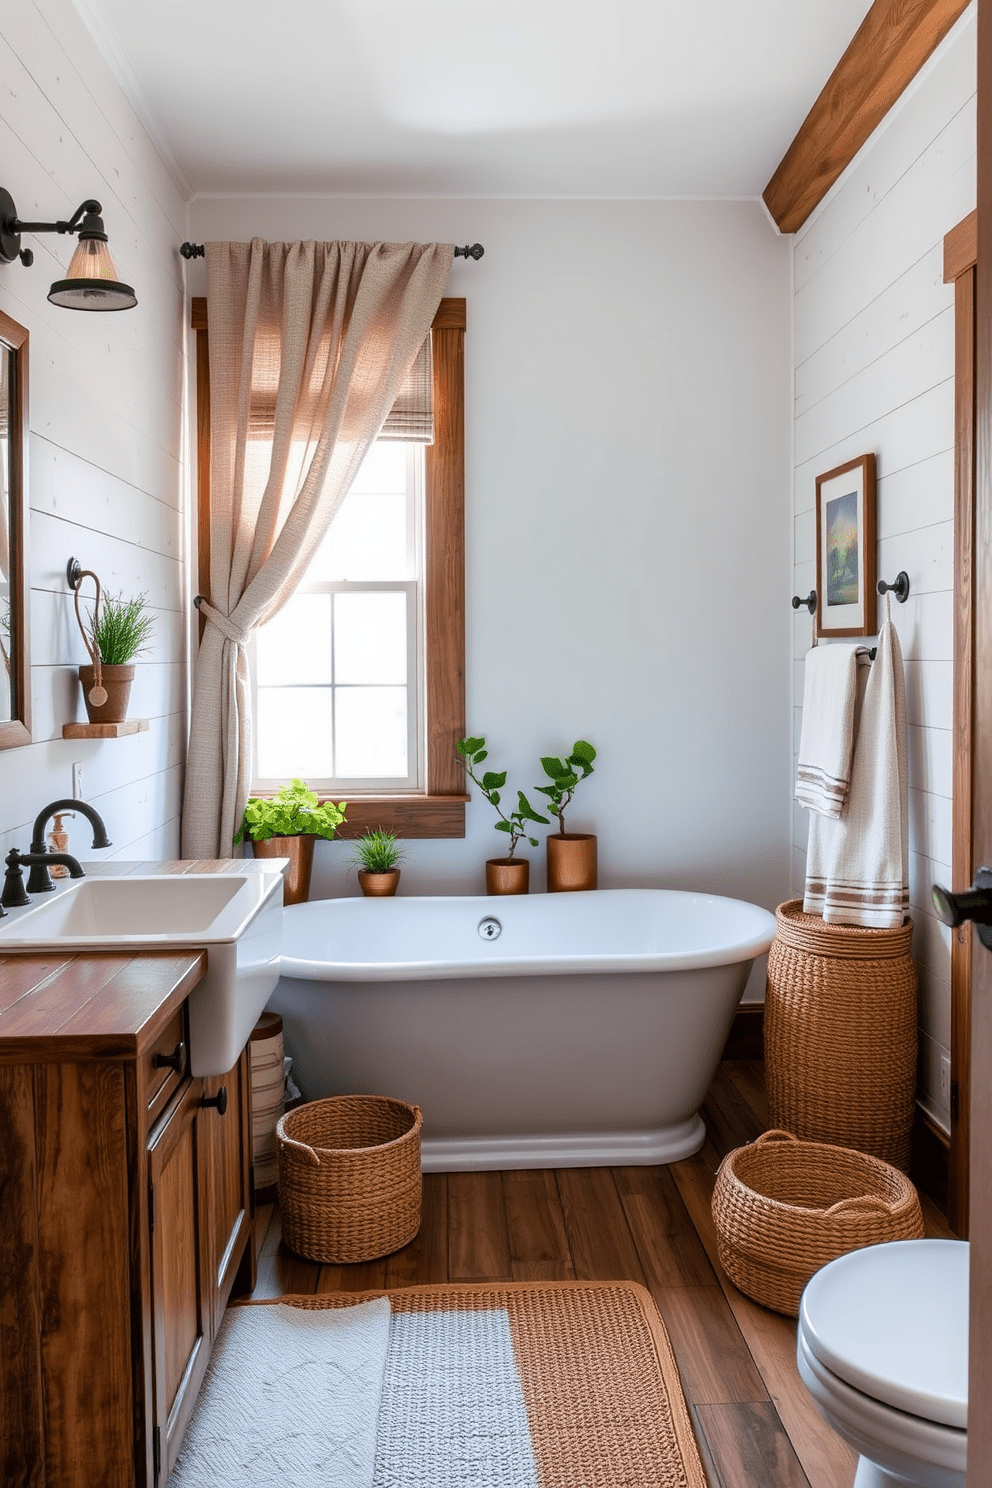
(239, 635)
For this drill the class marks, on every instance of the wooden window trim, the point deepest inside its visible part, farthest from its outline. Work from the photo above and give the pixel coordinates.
(440, 810)
(890, 46)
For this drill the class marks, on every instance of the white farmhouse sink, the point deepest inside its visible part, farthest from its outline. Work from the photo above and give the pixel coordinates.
(235, 918)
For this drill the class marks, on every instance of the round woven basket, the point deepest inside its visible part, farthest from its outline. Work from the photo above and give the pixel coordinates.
(349, 1177)
(840, 1033)
(784, 1208)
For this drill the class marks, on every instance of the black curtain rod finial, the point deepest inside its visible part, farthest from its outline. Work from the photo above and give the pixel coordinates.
(476, 251)
(193, 250)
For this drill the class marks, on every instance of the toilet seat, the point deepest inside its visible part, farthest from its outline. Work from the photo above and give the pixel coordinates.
(917, 1450)
(891, 1322)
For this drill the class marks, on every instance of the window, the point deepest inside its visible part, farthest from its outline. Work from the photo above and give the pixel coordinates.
(338, 679)
(360, 678)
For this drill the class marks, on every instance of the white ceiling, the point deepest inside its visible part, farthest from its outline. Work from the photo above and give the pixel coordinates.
(600, 98)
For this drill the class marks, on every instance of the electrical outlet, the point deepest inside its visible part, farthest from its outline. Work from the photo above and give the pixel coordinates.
(945, 1079)
(77, 782)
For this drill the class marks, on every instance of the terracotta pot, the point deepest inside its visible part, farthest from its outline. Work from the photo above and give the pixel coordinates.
(116, 681)
(571, 861)
(507, 876)
(299, 851)
(378, 885)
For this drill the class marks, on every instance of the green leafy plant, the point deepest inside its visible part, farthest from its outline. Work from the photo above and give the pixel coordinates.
(377, 852)
(121, 628)
(565, 776)
(293, 811)
(473, 752)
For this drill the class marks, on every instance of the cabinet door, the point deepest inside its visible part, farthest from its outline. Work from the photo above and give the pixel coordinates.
(225, 1178)
(181, 1318)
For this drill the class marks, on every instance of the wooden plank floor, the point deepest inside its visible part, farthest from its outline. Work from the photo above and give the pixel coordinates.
(755, 1423)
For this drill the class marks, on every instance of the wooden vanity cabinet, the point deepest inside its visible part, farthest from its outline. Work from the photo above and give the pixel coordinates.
(125, 1216)
(199, 1214)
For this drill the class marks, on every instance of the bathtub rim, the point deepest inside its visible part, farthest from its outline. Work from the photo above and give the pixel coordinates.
(307, 969)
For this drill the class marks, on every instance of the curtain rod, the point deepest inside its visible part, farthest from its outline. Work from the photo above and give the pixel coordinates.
(198, 250)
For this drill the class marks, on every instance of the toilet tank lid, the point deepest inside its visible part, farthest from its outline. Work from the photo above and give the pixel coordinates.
(892, 1320)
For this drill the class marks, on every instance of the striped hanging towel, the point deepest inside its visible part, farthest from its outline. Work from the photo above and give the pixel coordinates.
(826, 745)
(857, 864)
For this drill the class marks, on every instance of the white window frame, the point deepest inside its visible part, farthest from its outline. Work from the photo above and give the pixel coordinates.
(413, 588)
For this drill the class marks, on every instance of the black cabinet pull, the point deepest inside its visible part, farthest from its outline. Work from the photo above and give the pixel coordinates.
(219, 1100)
(172, 1061)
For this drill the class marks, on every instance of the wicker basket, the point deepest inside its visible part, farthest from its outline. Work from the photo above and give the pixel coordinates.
(840, 1033)
(349, 1177)
(784, 1208)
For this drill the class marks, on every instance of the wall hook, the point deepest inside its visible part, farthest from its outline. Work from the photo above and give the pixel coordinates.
(809, 602)
(900, 588)
(73, 572)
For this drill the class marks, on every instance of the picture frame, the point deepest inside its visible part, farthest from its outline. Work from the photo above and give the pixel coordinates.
(845, 549)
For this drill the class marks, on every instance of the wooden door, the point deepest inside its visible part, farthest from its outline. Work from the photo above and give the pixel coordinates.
(980, 1338)
(181, 1313)
(225, 1180)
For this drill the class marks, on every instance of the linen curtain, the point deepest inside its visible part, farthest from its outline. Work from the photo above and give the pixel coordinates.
(330, 330)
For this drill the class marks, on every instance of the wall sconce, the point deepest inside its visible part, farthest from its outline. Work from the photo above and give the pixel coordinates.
(92, 282)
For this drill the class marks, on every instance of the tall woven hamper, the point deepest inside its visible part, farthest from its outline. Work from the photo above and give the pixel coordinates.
(840, 1034)
(268, 1097)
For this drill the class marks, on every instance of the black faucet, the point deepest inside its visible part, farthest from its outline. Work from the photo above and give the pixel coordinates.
(14, 894)
(39, 879)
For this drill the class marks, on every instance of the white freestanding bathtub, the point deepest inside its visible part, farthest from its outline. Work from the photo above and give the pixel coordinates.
(553, 1030)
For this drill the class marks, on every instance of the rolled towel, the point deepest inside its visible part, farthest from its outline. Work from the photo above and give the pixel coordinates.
(826, 747)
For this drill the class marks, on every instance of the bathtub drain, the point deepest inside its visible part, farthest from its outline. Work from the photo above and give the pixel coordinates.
(489, 928)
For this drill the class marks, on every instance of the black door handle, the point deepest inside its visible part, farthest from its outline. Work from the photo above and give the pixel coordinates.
(973, 904)
(219, 1100)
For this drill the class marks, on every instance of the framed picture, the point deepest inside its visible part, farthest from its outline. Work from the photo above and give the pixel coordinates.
(845, 549)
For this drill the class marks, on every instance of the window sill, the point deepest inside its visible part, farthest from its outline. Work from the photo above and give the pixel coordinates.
(405, 816)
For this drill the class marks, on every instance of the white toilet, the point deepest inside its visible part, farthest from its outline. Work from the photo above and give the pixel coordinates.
(883, 1350)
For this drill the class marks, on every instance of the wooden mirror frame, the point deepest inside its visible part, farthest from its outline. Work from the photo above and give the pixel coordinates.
(16, 730)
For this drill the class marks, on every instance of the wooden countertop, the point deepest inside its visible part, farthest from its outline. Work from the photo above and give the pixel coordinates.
(76, 1005)
(57, 1005)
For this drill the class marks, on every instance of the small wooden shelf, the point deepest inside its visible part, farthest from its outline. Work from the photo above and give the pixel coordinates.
(104, 730)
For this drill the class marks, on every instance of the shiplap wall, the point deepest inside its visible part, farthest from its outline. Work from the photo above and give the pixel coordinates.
(874, 370)
(106, 474)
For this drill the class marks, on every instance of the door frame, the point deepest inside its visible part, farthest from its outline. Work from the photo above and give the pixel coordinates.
(960, 269)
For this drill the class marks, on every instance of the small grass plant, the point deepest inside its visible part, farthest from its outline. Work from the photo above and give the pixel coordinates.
(294, 811)
(120, 628)
(377, 852)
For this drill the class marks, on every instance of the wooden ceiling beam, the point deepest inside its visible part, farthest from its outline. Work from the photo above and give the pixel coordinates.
(891, 45)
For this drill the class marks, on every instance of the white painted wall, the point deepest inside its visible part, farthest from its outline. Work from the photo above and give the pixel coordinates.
(106, 465)
(627, 409)
(874, 370)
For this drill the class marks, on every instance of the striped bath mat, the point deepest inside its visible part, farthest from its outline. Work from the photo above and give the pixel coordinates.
(513, 1385)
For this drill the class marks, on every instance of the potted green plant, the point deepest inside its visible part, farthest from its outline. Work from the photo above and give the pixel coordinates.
(118, 632)
(507, 875)
(571, 855)
(377, 856)
(286, 825)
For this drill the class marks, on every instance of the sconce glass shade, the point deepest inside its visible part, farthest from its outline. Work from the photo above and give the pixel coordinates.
(92, 282)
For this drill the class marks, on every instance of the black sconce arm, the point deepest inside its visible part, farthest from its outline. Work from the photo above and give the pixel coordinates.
(88, 208)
